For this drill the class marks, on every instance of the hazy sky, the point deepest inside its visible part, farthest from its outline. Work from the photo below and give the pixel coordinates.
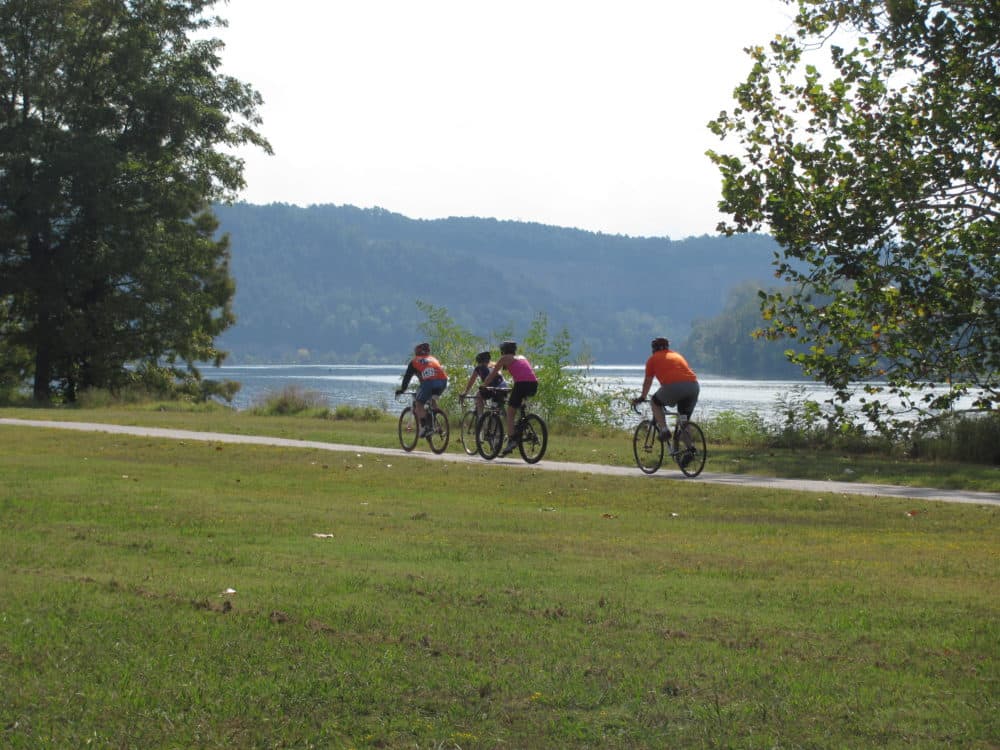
(576, 113)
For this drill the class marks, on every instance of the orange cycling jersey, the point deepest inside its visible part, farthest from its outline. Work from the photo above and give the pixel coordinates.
(428, 368)
(669, 367)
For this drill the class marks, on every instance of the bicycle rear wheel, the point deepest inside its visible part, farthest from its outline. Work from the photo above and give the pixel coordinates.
(409, 431)
(647, 446)
(489, 436)
(467, 431)
(692, 460)
(440, 431)
(534, 438)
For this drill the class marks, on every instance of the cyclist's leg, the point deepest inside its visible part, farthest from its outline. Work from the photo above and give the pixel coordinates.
(517, 394)
(524, 391)
(657, 402)
(424, 393)
(687, 399)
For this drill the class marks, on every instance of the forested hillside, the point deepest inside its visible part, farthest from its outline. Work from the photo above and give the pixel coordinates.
(338, 283)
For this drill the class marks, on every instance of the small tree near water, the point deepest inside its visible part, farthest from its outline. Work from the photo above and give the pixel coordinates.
(565, 394)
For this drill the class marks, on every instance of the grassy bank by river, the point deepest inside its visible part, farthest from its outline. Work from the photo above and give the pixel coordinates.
(377, 601)
(603, 447)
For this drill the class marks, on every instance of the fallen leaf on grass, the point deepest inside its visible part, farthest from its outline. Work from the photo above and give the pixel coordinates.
(609, 515)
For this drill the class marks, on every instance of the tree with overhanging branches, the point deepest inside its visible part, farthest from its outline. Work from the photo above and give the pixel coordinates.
(117, 134)
(868, 144)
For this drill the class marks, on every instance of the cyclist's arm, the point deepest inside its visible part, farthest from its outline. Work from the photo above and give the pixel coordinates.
(408, 376)
(500, 364)
(468, 385)
(492, 376)
(645, 387)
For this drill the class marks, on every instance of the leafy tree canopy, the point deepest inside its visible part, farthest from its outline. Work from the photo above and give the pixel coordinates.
(113, 117)
(880, 181)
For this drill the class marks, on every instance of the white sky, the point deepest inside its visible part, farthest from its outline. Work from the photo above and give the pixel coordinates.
(576, 113)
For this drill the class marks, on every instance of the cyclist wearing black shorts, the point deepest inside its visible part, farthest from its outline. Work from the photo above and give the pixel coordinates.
(678, 384)
(525, 385)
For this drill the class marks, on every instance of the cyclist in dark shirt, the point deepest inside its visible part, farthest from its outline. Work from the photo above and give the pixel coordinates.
(482, 369)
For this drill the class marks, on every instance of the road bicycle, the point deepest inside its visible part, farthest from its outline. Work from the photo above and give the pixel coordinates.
(470, 417)
(530, 432)
(409, 430)
(686, 445)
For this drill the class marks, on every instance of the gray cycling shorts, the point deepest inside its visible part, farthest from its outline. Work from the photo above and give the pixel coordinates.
(683, 395)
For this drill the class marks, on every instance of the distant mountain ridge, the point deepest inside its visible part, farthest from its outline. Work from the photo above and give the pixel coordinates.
(340, 283)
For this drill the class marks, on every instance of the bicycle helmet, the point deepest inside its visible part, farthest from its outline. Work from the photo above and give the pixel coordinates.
(508, 347)
(482, 358)
(659, 344)
(422, 349)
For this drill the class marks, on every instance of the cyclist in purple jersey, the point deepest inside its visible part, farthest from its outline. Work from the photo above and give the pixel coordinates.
(482, 370)
(525, 384)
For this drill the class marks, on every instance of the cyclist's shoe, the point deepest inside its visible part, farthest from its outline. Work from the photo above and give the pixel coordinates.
(426, 431)
(664, 436)
(510, 447)
(686, 458)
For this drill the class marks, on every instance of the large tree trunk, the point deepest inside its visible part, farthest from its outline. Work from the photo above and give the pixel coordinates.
(43, 374)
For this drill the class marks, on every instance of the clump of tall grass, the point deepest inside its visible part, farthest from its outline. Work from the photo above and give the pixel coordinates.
(972, 437)
(969, 436)
(732, 428)
(348, 412)
(291, 400)
(102, 398)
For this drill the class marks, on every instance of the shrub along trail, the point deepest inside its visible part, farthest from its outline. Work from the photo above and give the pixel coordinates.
(846, 488)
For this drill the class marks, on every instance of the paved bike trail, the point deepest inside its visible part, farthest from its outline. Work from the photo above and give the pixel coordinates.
(737, 480)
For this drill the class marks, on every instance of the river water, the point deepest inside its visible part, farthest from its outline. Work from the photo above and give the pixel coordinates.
(374, 385)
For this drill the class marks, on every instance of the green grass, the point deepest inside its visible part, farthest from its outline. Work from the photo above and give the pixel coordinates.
(608, 447)
(473, 606)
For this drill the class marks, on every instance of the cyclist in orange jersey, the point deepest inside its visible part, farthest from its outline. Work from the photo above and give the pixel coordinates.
(433, 380)
(678, 384)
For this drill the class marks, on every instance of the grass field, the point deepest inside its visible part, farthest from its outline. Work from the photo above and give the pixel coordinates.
(382, 602)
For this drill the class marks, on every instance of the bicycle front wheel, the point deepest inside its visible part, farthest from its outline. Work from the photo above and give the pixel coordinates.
(409, 431)
(440, 431)
(489, 436)
(467, 431)
(691, 460)
(647, 446)
(534, 438)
